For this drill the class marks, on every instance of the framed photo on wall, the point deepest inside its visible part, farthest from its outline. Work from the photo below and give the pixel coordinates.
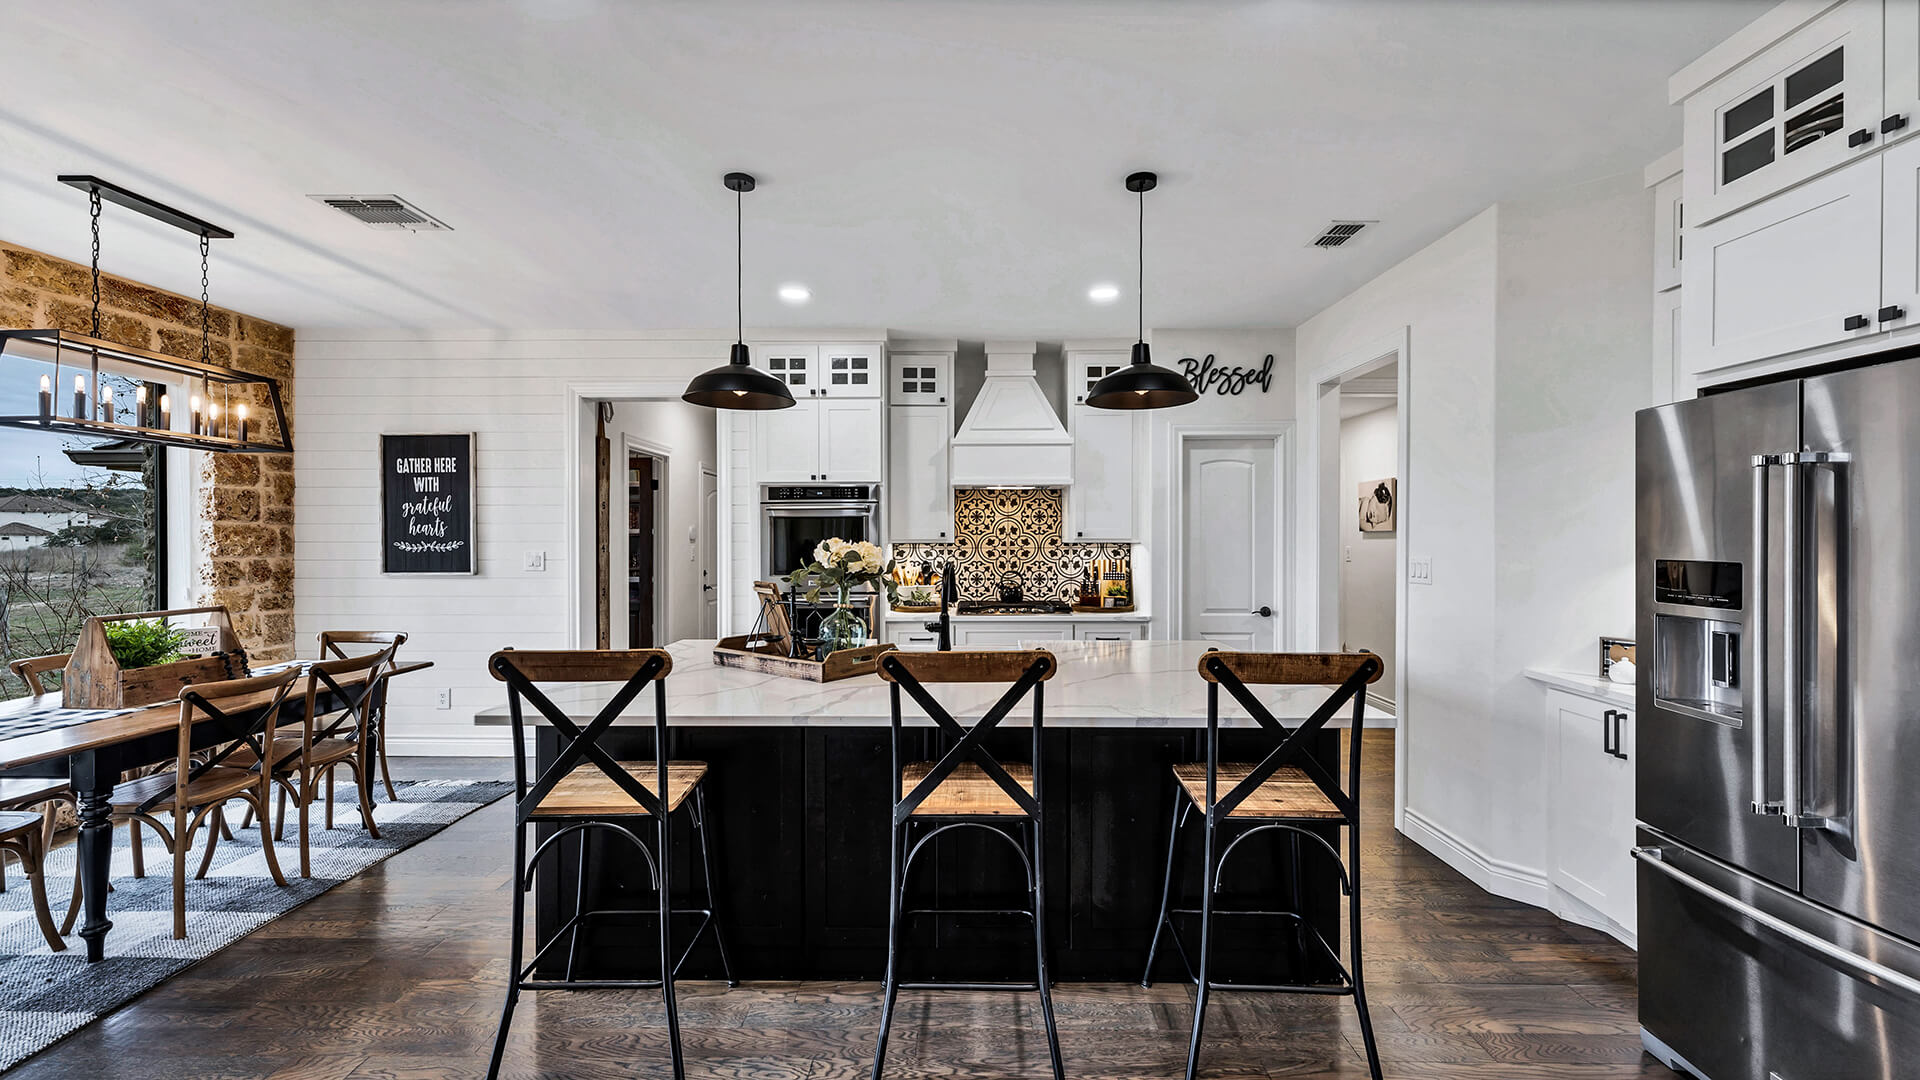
(1379, 505)
(426, 504)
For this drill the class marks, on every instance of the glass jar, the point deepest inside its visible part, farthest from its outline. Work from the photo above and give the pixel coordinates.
(845, 628)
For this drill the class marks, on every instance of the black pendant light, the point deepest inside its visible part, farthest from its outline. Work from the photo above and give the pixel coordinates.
(1142, 384)
(737, 384)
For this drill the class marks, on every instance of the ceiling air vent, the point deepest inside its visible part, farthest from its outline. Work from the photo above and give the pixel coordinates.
(384, 212)
(1339, 234)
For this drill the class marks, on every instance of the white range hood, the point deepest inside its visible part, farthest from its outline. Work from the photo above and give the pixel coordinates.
(1011, 437)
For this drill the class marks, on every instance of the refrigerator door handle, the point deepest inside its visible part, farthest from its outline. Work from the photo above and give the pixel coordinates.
(1795, 755)
(1655, 858)
(1756, 718)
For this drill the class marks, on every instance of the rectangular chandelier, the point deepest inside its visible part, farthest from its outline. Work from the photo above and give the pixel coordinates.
(57, 380)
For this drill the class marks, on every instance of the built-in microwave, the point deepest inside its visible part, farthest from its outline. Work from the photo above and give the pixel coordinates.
(795, 519)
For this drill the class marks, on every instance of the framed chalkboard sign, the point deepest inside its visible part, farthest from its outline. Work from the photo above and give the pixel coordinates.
(426, 504)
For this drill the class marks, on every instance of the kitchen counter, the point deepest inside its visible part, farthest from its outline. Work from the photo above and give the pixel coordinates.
(1107, 684)
(1071, 616)
(1588, 686)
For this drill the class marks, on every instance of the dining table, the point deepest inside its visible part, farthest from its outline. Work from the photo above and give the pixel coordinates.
(98, 749)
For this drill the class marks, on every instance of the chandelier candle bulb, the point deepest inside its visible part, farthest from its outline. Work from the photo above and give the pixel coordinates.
(106, 404)
(166, 411)
(140, 405)
(194, 404)
(79, 397)
(213, 419)
(46, 399)
(241, 410)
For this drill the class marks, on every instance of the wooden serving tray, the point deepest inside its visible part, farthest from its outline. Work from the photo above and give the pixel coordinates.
(912, 609)
(754, 654)
(1084, 610)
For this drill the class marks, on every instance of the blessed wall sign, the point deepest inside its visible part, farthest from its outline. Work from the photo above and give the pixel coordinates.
(1207, 375)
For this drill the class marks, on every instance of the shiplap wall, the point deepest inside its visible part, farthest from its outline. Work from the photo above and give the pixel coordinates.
(513, 392)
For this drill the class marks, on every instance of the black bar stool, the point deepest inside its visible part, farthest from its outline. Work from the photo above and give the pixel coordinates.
(579, 797)
(969, 788)
(1288, 791)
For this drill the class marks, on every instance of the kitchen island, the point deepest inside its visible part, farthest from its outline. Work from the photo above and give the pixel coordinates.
(800, 793)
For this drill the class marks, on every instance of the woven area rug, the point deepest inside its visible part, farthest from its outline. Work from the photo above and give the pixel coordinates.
(46, 995)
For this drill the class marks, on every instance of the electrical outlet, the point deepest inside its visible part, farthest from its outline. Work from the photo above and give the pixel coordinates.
(1420, 571)
(536, 561)
(445, 699)
(1349, 552)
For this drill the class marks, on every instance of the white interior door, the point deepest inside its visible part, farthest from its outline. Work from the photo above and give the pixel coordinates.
(707, 531)
(1228, 543)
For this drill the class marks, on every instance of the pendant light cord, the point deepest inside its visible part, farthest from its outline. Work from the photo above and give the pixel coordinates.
(1140, 261)
(739, 274)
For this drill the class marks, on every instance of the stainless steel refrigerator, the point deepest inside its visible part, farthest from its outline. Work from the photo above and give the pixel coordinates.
(1778, 774)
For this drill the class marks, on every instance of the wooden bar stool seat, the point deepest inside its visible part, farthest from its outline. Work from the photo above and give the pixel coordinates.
(968, 791)
(21, 835)
(589, 792)
(1288, 795)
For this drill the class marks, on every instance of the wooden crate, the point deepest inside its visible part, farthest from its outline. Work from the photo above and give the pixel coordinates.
(756, 654)
(94, 679)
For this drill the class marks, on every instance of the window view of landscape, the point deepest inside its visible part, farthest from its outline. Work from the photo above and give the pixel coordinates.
(80, 528)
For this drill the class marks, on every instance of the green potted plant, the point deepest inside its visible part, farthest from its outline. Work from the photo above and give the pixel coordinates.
(138, 643)
(842, 565)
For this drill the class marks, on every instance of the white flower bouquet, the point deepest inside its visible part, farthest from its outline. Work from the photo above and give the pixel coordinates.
(842, 565)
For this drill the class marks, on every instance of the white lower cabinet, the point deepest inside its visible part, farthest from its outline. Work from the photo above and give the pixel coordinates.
(1109, 631)
(1008, 634)
(911, 638)
(1798, 271)
(1590, 816)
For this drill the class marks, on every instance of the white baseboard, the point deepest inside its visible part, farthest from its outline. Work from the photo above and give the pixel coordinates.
(1575, 910)
(498, 745)
(1510, 880)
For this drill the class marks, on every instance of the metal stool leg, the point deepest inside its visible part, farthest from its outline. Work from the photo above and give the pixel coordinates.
(666, 940)
(1353, 948)
(1206, 951)
(893, 950)
(1040, 945)
(513, 950)
(1181, 805)
(706, 870)
(579, 900)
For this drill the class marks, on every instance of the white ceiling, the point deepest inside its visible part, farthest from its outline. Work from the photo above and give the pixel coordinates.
(943, 167)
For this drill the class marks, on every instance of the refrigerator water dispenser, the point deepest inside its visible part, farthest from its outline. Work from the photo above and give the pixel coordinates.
(1697, 667)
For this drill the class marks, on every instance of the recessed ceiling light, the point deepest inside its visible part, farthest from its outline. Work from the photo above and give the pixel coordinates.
(1104, 294)
(795, 294)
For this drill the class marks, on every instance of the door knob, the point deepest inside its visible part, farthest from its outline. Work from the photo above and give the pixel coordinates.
(1264, 612)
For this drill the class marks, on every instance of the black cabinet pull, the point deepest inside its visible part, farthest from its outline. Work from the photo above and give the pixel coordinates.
(1860, 138)
(1619, 734)
(1606, 733)
(1855, 322)
(1892, 312)
(1893, 123)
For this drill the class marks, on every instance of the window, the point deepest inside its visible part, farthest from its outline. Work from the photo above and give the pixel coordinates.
(82, 533)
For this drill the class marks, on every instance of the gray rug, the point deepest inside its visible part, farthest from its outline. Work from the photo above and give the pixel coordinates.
(45, 995)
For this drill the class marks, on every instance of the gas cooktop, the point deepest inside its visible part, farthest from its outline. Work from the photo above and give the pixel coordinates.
(1012, 607)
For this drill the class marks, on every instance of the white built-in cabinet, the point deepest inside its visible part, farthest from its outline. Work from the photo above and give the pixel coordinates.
(973, 631)
(1108, 452)
(1810, 102)
(1670, 382)
(1668, 187)
(1591, 816)
(1006, 635)
(919, 482)
(1669, 232)
(835, 432)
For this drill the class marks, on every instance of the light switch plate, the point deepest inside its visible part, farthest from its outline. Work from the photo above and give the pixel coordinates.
(1420, 571)
(536, 562)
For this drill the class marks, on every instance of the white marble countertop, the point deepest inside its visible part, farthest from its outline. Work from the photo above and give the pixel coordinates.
(1109, 684)
(1590, 686)
(1072, 616)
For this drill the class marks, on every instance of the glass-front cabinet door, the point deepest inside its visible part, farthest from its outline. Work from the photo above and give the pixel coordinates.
(919, 378)
(795, 365)
(850, 371)
(1808, 104)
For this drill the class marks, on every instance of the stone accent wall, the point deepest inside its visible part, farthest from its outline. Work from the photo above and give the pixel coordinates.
(244, 517)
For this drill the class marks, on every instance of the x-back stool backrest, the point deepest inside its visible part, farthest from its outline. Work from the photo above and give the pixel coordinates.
(633, 669)
(1348, 673)
(909, 673)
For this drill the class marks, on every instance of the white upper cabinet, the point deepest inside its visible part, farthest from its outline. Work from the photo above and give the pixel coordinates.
(795, 365)
(1807, 104)
(1902, 105)
(786, 443)
(852, 440)
(1669, 221)
(1106, 460)
(1799, 271)
(919, 378)
(1900, 238)
(1086, 368)
(919, 484)
(852, 371)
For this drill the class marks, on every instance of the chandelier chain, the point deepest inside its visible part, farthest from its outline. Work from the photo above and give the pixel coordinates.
(205, 340)
(93, 213)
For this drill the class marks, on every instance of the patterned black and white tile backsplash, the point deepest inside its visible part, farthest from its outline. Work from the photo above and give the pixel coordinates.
(1018, 531)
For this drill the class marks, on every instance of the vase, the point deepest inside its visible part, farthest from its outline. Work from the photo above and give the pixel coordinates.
(846, 628)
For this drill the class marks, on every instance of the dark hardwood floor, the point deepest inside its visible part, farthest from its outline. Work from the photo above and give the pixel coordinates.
(399, 974)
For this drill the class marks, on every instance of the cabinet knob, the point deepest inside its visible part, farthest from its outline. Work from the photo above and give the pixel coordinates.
(1855, 322)
(1893, 123)
(1892, 312)
(1860, 138)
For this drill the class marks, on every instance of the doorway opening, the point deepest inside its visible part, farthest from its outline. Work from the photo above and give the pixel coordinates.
(1369, 535)
(644, 472)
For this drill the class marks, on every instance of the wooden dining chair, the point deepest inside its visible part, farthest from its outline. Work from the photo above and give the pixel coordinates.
(43, 795)
(304, 763)
(244, 714)
(21, 835)
(331, 642)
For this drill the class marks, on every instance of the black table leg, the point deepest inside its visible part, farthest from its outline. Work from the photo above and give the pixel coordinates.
(92, 785)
